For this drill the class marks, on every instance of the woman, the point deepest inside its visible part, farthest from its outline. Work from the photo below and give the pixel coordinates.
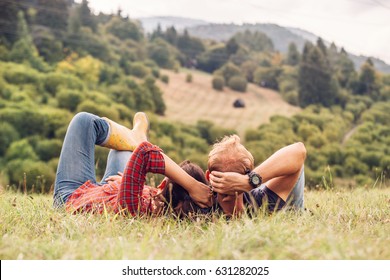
(131, 155)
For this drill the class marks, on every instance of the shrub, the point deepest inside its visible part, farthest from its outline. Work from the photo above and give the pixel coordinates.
(218, 83)
(122, 94)
(48, 149)
(165, 79)
(228, 71)
(139, 70)
(22, 75)
(20, 150)
(26, 121)
(97, 109)
(69, 99)
(189, 78)
(36, 175)
(7, 136)
(53, 81)
(238, 83)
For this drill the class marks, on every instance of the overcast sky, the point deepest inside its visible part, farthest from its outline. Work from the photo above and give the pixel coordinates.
(362, 27)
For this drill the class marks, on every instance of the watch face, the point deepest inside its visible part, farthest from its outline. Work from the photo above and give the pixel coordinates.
(255, 180)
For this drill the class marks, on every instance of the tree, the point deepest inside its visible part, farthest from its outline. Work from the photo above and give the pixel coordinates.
(24, 49)
(316, 85)
(367, 83)
(53, 14)
(232, 46)
(8, 20)
(256, 41)
(124, 29)
(190, 47)
(213, 58)
(293, 55)
(171, 35)
(86, 16)
(162, 53)
(345, 69)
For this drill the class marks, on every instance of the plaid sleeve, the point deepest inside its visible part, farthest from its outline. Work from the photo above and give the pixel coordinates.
(146, 158)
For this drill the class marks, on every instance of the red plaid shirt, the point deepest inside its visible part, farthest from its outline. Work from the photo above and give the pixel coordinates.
(128, 194)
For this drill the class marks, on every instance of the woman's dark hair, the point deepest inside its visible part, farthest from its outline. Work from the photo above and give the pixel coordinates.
(174, 193)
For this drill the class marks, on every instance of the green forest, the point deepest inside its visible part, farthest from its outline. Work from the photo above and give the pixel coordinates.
(57, 58)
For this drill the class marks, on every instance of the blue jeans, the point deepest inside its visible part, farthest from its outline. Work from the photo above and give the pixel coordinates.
(77, 160)
(296, 198)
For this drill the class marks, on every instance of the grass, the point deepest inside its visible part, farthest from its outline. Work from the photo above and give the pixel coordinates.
(341, 224)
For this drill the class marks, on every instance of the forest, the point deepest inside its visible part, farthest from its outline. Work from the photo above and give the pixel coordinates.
(57, 58)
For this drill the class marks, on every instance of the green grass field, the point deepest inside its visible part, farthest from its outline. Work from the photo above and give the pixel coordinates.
(341, 224)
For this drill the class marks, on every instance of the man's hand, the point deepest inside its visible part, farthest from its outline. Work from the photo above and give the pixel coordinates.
(202, 195)
(229, 183)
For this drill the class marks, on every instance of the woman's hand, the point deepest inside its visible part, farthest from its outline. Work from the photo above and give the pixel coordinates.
(115, 177)
(229, 183)
(202, 195)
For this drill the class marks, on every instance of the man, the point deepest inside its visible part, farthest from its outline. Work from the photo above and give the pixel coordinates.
(276, 183)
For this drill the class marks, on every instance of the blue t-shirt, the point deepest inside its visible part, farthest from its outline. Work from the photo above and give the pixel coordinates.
(263, 197)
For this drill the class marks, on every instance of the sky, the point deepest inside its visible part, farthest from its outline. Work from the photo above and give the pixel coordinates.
(362, 27)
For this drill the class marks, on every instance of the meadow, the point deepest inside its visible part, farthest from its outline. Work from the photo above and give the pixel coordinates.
(339, 224)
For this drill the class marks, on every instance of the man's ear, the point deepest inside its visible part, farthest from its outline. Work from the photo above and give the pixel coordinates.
(207, 175)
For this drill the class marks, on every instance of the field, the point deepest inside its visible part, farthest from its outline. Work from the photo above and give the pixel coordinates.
(339, 224)
(189, 102)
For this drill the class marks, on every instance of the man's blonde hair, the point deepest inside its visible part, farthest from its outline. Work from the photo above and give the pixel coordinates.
(230, 155)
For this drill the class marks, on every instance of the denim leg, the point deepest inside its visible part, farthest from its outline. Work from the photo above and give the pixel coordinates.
(296, 198)
(116, 161)
(77, 160)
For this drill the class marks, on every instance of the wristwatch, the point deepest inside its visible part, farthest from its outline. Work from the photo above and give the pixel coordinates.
(255, 179)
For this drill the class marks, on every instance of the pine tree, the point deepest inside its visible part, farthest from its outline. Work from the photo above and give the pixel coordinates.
(368, 80)
(293, 55)
(53, 14)
(86, 16)
(8, 20)
(24, 48)
(316, 85)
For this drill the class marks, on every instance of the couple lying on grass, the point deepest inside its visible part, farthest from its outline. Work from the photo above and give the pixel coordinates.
(231, 185)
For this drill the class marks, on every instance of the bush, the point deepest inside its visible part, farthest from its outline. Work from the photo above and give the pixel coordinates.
(99, 110)
(53, 81)
(7, 136)
(189, 78)
(218, 83)
(228, 71)
(21, 75)
(139, 70)
(26, 121)
(69, 99)
(48, 149)
(20, 150)
(122, 94)
(36, 174)
(165, 79)
(238, 83)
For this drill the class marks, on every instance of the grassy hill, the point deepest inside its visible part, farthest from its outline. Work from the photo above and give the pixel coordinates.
(190, 102)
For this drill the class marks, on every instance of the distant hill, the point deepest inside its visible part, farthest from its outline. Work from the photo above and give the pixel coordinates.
(280, 36)
(150, 23)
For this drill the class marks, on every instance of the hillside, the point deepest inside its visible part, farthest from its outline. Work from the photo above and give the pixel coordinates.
(281, 36)
(190, 102)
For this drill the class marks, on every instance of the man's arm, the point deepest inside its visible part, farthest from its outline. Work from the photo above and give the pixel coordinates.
(280, 171)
